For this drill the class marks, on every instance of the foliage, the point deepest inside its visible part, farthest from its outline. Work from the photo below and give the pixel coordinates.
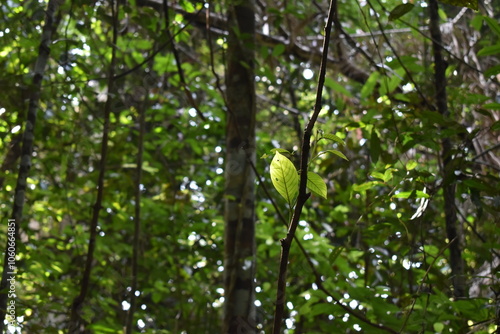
(372, 245)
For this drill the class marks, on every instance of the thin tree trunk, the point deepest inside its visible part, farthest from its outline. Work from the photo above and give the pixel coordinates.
(9, 267)
(75, 321)
(239, 256)
(456, 261)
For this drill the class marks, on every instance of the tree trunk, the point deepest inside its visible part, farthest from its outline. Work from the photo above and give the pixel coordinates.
(239, 215)
(9, 264)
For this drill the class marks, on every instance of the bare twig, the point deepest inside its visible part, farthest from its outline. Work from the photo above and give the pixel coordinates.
(488, 150)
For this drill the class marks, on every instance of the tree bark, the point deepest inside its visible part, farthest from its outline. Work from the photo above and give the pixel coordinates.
(9, 267)
(456, 261)
(76, 323)
(239, 215)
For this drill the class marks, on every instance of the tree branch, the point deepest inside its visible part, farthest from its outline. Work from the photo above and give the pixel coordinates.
(218, 25)
(303, 195)
(75, 321)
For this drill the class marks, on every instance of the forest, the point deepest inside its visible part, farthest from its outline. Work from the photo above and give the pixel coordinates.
(250, 166)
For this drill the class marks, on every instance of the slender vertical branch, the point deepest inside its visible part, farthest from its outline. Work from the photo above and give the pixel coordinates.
(137, 217)
(456, 261)
(75, 319)
(239, 209)
(303, 195)
(27, 147)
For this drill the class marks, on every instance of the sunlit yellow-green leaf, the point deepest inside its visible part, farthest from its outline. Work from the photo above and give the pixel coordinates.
(145, 167)
(377, 175)
(411, 164)
(438, 327)
(335, 138)
(57, 268)
(403, 194)
(421, 194)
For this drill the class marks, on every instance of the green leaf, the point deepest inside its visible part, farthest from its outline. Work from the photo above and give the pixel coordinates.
(278, 50)
(330, 83)
(334, 138)
(188, 6)
(433, 117)
(476, 98)
(370, 84)
(280, 150)
(442, 14)
(388, 174)
(377, 175)
(438, 327)
(489, 50)
(412, 194)
(264, 51)
(421, 194)
(477, 184)
(365, 186)
(403, 194)
(374, 146)
(494, 26)
(156, 297)
(493, 106)
(338, 153)
(316, 184)
(391, 85)
(145, 167)
(492, 71)
(284, 177)
(400, 10)
(411, 164)
(472, 4)
(103, 328)
(334, 254)
(323, 308)
(477, 22)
